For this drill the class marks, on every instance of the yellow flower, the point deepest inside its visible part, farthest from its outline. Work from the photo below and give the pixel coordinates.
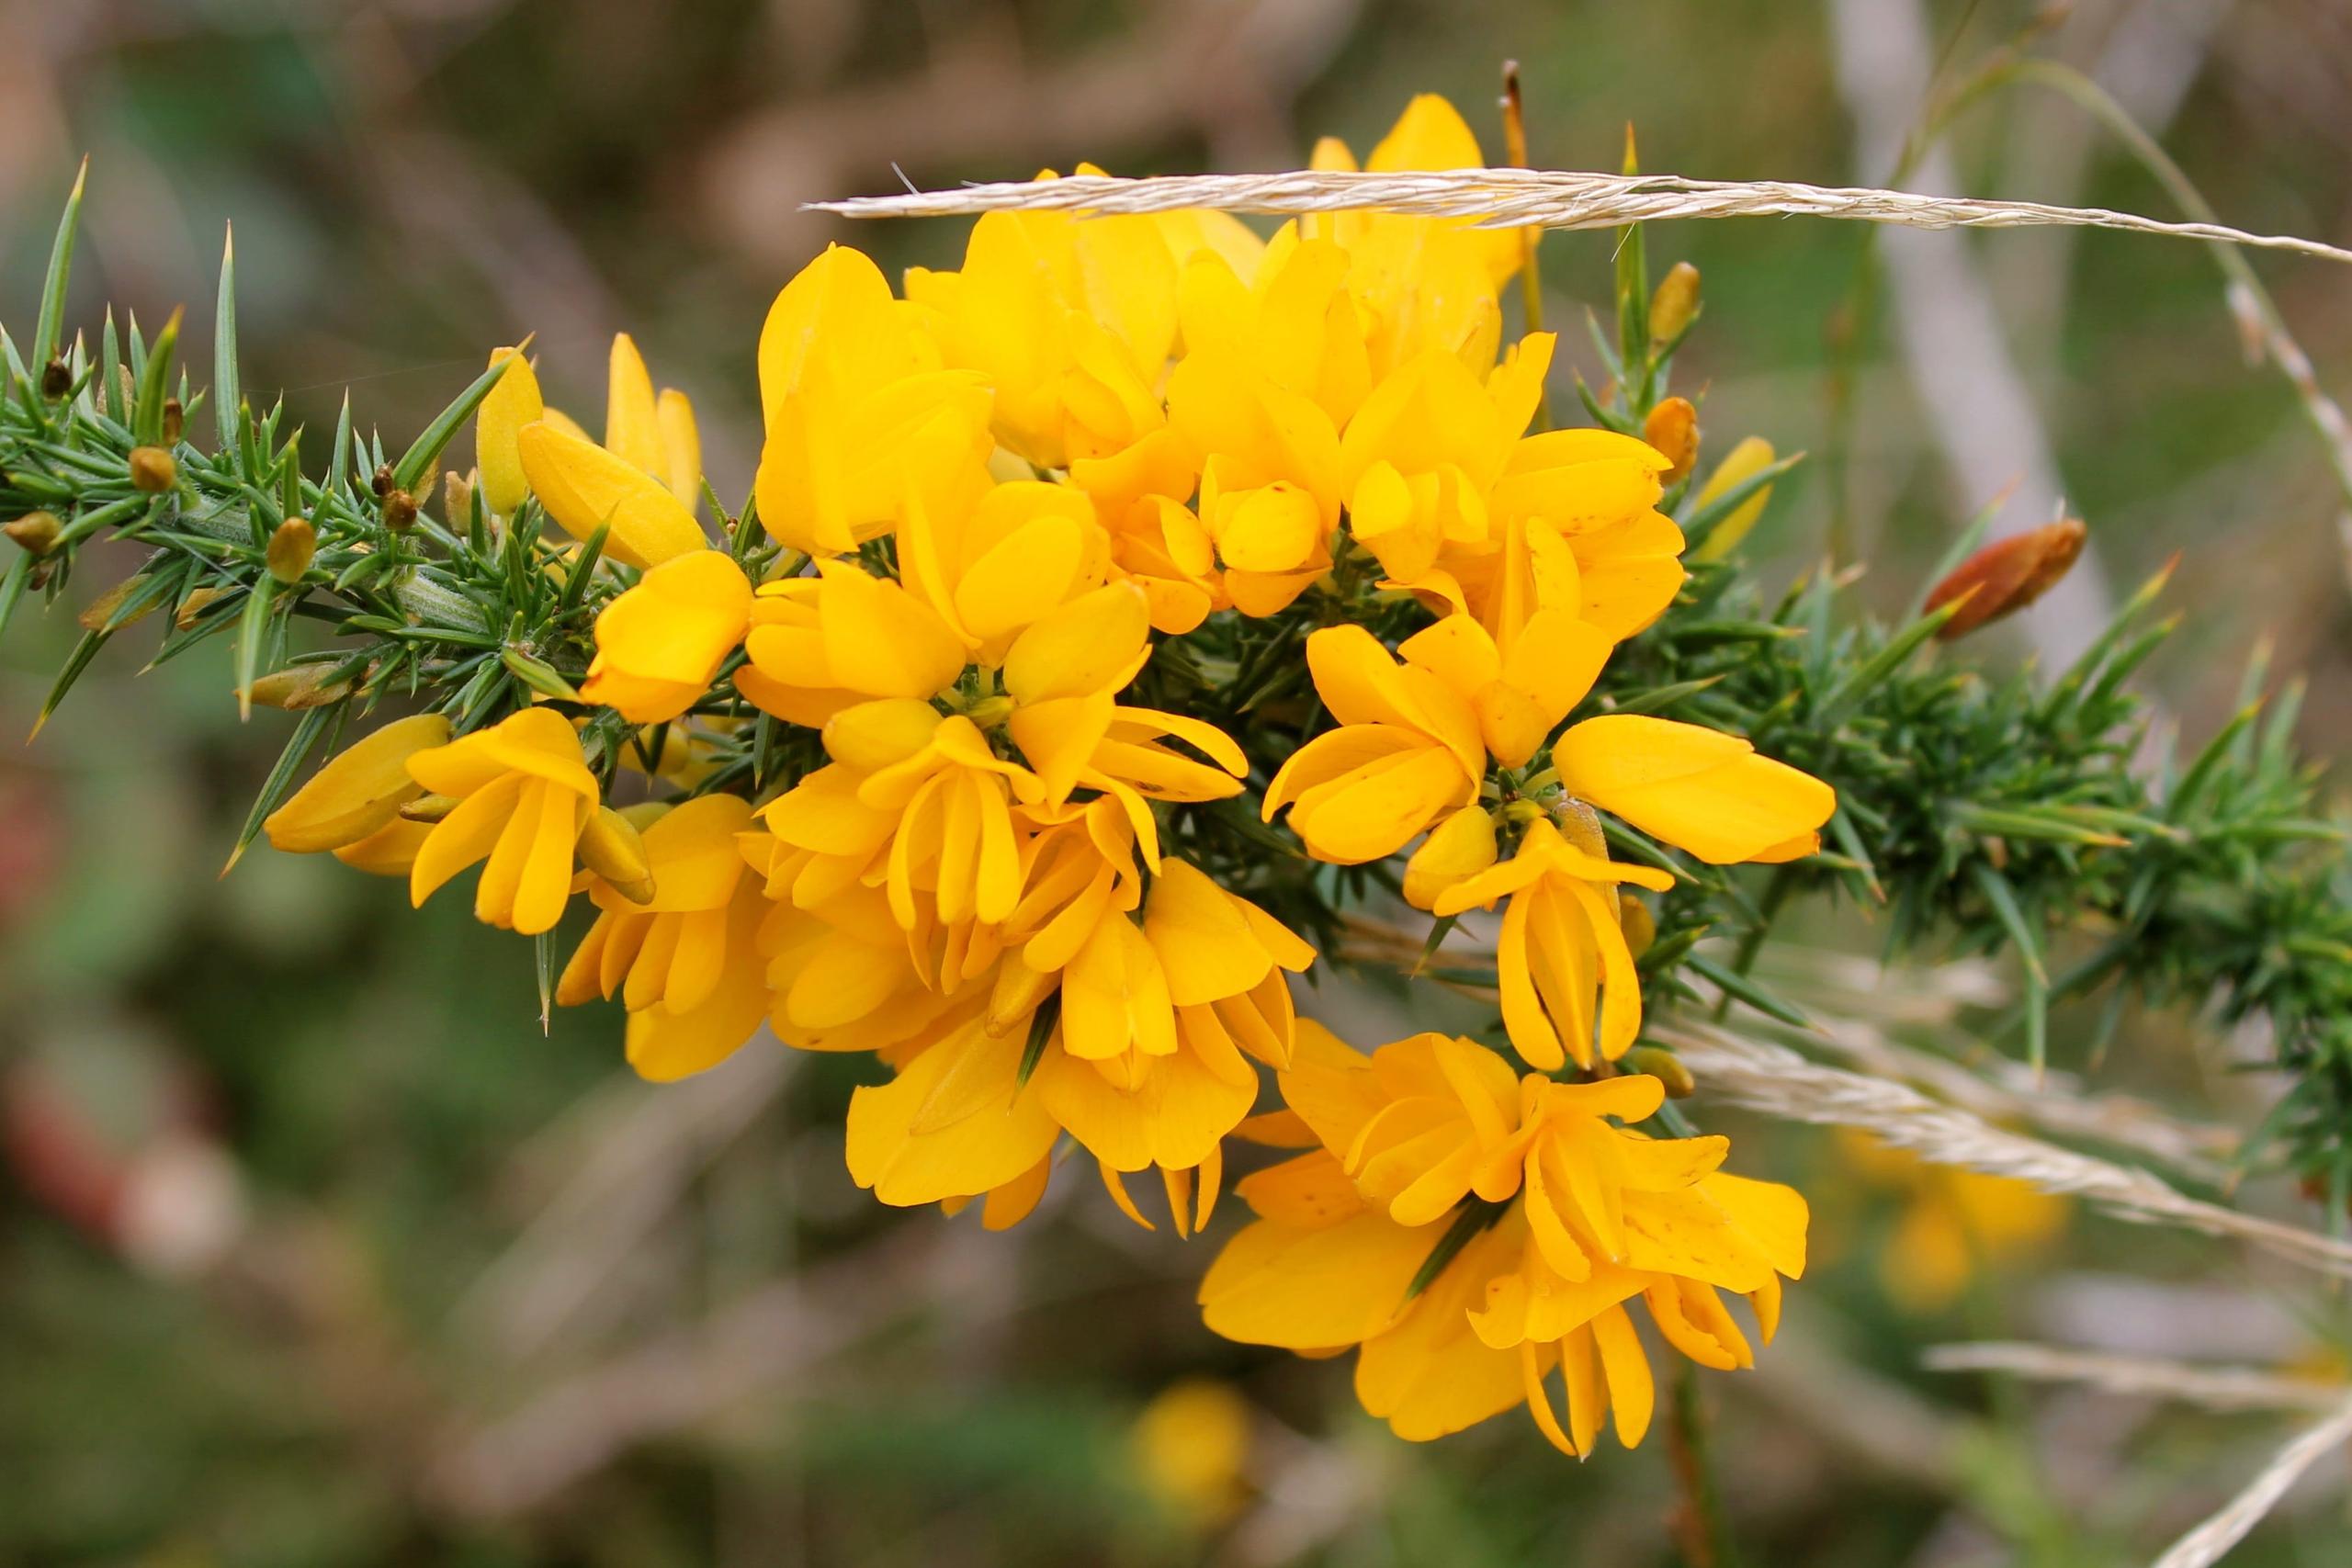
(1561, 943)
(1520, 689)
(585, 487)
(1587, 1217)
(1191, 1450)
(1424, 282)
(1955, 1223)
(641, 485)
(861, 419)
(1159, 1017)
(1269, 488)
(523, 794)
(956, 1122)
(686, 962)
(1408, 749)
(1069, 318)
(1420, 457)
(360, 793)
(659, 644)
(1696, 788)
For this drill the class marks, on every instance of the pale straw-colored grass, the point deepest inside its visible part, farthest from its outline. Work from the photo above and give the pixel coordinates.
(1546, 199)
(1779, 1082)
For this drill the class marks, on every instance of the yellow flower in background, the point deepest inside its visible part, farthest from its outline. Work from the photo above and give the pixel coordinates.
(1955, 1224)
(360, 791)
(685, 960)
(1191, 1450)
(1566, 970)
(1696, 788)
(523, 793)
(659, 644)
(862, 418)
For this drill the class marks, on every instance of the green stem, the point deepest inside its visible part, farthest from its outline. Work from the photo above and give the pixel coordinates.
(1708, 1542)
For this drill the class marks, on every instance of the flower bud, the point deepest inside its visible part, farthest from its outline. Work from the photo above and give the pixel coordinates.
(191, 608)
(1641, 926)
(102, 609)
(611, 847)
(382, 481)
(291, 549)
(1664, 1065)
(55, 378)
(457, 498)
(1674, 304)
(400, 511)
(1673, 429)
(2007, 575)
(174, 419)
(303, 686)
(36, 531)
(152, 469)
(1742, 463)
(426, 807)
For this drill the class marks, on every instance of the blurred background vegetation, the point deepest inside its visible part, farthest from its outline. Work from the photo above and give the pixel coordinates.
(314, 1250)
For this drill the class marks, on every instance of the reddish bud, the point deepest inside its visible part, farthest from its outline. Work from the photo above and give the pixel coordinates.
(2007, 576)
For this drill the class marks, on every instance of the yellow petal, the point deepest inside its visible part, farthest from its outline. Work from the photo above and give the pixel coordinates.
(1695, 788)
(632, 421)
(1090, 645)
(883, 641)
(585, 487)
(1311, 1290)
(359, 792)
(1458, 848)
(660, 643)
(681, 447)
(509, 405)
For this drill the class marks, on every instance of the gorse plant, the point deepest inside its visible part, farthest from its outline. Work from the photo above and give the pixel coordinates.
(1135, 618)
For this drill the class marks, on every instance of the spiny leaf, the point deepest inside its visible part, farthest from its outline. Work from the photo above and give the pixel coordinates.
(49, 331)
(225, 395)
(280, 782)
(253, 623)
(155, 382)
(428, 448)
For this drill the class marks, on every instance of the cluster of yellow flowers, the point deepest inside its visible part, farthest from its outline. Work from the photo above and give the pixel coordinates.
(993, 503)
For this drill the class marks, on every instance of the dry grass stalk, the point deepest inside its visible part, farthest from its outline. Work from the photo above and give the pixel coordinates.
(2217, 1388)
(1779, 1082)
(1548, 198)
(2209, 1541)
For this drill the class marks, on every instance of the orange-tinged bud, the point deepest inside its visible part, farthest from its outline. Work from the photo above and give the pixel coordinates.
(174, 419)
(2007, 575)
(1674, 304)
(1673, 428)
(303, 686)
(1641, 926)
(184, 618)
(400, 511)
(1664, 1065)
(36, 531)
(152, 469)
(291, 547)
(103, 607)
(611, 848)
